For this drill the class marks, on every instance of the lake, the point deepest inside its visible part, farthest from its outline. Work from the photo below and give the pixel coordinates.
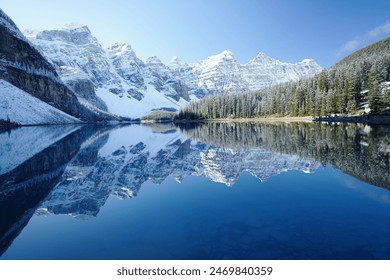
(206, 191)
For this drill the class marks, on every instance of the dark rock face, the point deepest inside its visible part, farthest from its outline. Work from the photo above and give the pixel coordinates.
(84, 88)
(180, 88)
(135, 94)
(163, 80)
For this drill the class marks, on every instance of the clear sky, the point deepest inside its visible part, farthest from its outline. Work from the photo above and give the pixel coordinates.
(288, 30)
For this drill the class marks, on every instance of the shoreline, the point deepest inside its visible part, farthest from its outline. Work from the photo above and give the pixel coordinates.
(374, 119)
(307, 119)
(382, 118)
(266, 119)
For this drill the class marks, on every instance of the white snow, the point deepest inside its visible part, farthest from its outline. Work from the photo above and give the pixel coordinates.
(130, 107)
(20, 107)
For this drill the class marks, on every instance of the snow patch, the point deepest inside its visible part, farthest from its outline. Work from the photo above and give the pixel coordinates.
(132, 108)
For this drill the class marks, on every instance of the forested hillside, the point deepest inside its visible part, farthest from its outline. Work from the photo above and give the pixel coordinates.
(358, 83)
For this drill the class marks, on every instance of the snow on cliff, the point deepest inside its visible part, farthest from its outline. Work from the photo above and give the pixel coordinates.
(18, 106)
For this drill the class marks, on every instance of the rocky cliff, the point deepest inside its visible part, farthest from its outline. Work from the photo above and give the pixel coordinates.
(24, 67)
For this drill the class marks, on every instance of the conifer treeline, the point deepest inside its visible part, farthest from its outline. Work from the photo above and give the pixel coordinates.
(359, 79)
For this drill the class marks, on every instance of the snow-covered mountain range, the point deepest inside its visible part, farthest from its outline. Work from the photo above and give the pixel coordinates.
(223, 73)
(131, 87)
(70, 70)
(123, 83)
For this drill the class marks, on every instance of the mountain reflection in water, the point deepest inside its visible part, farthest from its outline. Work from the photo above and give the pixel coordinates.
(75, 170)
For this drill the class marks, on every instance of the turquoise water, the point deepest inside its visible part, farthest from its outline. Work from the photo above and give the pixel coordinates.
(186, 193)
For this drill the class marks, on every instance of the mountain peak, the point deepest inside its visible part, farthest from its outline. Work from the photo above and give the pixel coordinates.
(227, 54)
(224, 57)
(176, 63)
(73, 33)
(308, 61)
(74, 26)
(262, 57)
(175, 60)
(119, 49)
(153, 60)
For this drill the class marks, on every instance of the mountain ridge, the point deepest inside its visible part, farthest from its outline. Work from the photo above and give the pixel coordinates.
(355, 86)
(24, 67)
(117, 73)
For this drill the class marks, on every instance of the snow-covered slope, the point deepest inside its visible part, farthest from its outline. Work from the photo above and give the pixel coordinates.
(18, 106)
(131, 107)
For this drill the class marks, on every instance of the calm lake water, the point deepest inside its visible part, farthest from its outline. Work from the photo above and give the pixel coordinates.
(212, 191)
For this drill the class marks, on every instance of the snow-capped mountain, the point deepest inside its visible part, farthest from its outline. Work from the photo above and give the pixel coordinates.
(114, 78)
(127, 86)
(223, 73)
(265, 71)
(32, 75)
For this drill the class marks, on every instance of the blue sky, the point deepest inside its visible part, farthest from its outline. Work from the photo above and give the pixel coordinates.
(195, 29)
